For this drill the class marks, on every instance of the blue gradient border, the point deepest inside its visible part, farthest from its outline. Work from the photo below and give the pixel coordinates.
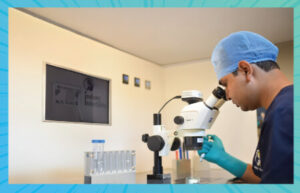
(231, 188)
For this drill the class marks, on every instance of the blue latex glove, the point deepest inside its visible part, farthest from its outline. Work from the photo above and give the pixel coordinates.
(214, 152)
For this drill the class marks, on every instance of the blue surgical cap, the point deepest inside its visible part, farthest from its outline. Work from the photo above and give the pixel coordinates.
(239, 46)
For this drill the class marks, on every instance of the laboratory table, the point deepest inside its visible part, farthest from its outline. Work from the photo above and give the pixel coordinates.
(211, 176)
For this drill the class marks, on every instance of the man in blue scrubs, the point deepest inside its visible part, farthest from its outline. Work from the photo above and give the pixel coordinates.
(245, 64)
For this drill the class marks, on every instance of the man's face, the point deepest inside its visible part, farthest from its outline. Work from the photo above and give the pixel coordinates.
(239, 91)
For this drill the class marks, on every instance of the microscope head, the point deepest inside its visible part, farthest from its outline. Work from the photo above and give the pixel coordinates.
(198, 116)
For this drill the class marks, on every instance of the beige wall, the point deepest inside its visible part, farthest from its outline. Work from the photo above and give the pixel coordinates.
(52, 152)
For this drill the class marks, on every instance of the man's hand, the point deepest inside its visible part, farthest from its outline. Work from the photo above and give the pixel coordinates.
(214, 152)
(212, 148)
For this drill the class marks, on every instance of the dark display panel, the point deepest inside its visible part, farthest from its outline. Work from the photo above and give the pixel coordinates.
(76, 97)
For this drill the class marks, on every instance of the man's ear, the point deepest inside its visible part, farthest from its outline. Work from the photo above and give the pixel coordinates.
(246, 69)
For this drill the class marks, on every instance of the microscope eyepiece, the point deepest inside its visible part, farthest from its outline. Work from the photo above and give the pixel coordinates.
(219, 93)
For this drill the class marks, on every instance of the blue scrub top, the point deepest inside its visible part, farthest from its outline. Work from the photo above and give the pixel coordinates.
(274, 155)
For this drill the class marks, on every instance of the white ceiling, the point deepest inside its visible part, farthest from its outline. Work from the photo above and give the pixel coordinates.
(169, 35)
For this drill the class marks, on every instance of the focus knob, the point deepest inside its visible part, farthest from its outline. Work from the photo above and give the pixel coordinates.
(179, 120)
(145, 138)
(155, 143)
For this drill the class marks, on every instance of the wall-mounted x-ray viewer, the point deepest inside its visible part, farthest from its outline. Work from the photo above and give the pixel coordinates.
(137, 82)
(76, 97)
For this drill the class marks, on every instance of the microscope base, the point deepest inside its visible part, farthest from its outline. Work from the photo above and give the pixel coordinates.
(159, 179)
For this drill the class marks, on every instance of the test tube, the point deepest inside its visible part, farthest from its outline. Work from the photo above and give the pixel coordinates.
(123, 155)
(128, 160)
(113, 161)
(93, 164)
(119, 161)
(107, 162)
(132, 160)
(100, 162)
